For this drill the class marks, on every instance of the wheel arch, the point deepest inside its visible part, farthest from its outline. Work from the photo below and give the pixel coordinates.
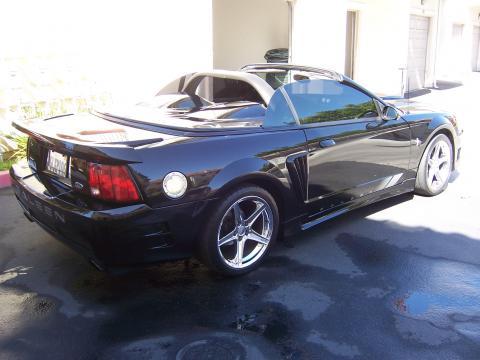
(271, 185)
(258, 172)
(445, 130)
(422, 184)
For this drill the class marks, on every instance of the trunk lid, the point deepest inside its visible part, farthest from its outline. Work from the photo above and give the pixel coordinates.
(87, 129)
(61, 147)
(88, 137)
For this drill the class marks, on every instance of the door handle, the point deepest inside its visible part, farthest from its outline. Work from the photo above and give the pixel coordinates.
(327, 143)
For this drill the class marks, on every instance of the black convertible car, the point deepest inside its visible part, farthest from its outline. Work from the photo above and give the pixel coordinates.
(219, 164)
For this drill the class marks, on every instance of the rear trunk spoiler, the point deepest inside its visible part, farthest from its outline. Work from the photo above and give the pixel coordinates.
(111, 153)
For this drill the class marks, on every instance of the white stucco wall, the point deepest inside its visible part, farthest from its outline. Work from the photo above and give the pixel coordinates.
(382, 39)
(147, 43)
(131, 47)
(244, 30)
(319, 28)
(382, 47)
(454, 59)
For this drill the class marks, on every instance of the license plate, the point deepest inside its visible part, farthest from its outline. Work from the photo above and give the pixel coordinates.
(57, 163)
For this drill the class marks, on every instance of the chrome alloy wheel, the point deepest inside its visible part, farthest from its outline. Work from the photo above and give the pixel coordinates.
(439, 165)
(245, 231)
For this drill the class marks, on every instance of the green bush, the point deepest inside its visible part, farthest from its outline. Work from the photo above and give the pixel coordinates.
(21, 152)
(5, 165)
(13, 156)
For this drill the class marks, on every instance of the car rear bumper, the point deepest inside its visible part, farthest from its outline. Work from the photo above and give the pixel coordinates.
(125, 236)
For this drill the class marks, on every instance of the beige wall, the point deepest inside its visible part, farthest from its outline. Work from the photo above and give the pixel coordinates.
(244, 30)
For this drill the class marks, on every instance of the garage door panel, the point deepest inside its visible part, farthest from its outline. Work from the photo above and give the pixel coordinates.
(418, 23)
(417, 51)
(422, 25)
(421, 38)
(475, 49)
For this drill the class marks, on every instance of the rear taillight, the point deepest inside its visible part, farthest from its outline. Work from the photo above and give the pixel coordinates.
(111, 183)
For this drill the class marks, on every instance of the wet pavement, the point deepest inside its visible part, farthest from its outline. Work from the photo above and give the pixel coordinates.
(396, 280)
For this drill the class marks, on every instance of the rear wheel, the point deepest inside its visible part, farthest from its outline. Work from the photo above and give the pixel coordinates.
(240, 232)
(435, 167)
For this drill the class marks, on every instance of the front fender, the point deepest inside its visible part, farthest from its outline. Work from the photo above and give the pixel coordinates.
(425, 130)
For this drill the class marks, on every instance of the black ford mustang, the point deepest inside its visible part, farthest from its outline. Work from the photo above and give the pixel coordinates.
(219, 163)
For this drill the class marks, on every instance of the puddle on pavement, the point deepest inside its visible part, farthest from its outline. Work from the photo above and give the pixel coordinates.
(247, 322)
(272, 326)
(272, 329)
(208, 349)
(419, 303)
(31, 306)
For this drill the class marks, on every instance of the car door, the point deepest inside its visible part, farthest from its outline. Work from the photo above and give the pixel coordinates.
(352, 151)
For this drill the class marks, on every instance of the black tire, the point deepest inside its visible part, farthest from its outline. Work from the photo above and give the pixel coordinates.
(209, 252)
(423, 184)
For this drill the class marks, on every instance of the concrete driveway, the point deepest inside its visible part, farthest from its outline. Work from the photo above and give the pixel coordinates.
(397, 280)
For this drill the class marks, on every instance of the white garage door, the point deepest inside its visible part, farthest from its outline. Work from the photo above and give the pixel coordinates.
(476, 44)
(417, 52)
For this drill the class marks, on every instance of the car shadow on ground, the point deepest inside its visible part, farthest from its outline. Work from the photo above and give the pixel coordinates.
(350, 287)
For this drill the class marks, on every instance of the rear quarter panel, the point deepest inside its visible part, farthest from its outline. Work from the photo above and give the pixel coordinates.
(215, 164)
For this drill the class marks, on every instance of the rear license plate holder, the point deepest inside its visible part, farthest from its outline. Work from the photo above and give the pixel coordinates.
(57, 164)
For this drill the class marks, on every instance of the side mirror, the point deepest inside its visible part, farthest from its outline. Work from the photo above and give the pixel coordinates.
(389, 113)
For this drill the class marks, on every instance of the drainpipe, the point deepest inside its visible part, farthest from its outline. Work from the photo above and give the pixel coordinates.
(439, 5)
(290, 4)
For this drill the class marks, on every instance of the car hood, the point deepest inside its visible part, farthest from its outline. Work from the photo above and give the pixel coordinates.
(413, 107)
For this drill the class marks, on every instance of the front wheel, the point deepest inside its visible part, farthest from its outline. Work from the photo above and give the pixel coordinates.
(435, 167)
(240, 231)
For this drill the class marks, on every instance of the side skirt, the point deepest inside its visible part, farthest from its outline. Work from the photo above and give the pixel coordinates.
(405, 187)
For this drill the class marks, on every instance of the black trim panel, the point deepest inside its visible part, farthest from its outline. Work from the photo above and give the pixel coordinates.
(297, 165)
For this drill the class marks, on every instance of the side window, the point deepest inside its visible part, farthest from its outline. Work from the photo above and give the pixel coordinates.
(219, 90)
(278, 112)
(318, 101)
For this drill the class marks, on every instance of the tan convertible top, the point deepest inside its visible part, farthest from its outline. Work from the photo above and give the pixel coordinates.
(263, 89)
